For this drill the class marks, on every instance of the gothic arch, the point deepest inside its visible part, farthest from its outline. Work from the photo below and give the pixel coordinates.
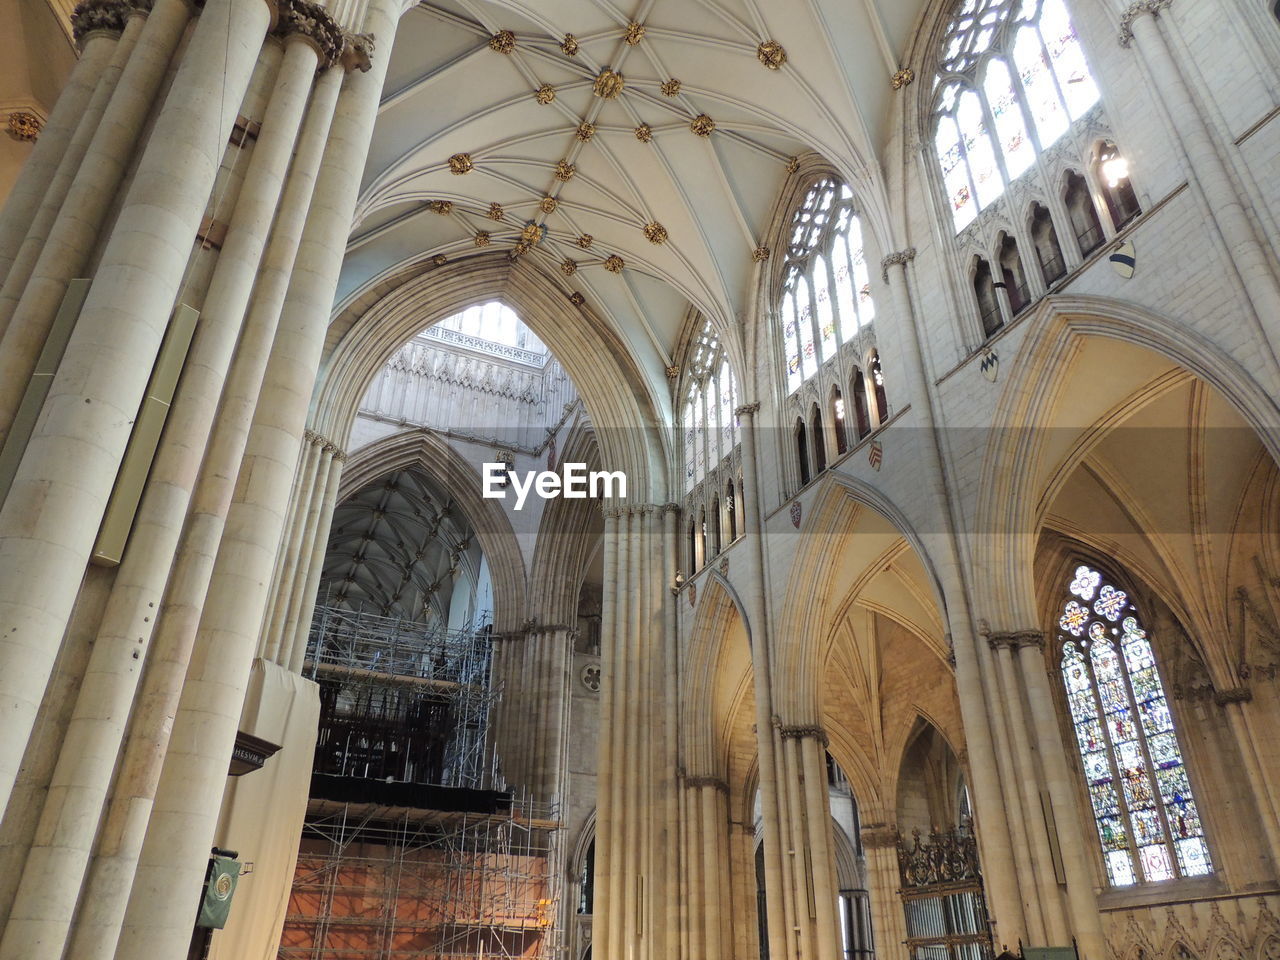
(427, 452)
(1011, 504)
(613, 390)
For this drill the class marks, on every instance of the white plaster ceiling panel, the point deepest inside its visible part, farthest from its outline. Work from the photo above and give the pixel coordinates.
(449, 92)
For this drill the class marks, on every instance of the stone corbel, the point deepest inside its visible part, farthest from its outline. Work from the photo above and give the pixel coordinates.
(1015, 639)
(357, 52)
(99, 16)
(714, 783)
(311, 23)
(901, 257)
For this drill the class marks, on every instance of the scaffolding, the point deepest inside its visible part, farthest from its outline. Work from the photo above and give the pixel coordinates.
(412, 846)
(380, 883)
(402, 702)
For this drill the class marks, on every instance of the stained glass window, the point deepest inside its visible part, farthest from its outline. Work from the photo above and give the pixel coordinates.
(1012, 80)
(826, 290)
(1147, 820)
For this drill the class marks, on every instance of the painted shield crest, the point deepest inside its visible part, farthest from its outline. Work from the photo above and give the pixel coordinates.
(1123, 259)
(795, 514)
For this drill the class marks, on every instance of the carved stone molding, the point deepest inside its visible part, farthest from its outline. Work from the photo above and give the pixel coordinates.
(1016, 639)
(879, 835)
(312, 23)
(802, 732)
(902, 257)
(91, 16)
(1136, 10)
(714, 783)
(746, 408)
(1234, 695)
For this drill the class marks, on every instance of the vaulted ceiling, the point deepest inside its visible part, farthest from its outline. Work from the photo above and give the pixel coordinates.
(672, 171)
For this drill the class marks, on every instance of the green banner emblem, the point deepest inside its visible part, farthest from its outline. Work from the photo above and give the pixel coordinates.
(218, 888)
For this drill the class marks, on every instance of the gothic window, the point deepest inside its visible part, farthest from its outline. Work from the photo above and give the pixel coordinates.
(1139, 791)
(837, 420)
(1012, 275)
(1045, 240)
(587, 881)
(818, 440)
(826, 287)
(877, 384)
(731, 512)
(1117, 189)
(1012, 80)
(860, 409)
(1083, 214)
(802, 450)
(984, 289)
(709, 400)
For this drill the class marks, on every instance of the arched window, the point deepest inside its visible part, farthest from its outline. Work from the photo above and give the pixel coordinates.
(693, 547)
(818, 441)
(702, 537)
(877, 384)
(1012, 275)
(715, 526)
(1146, 816)
(802, 450)
(837, 420)
(1084, 216)
(710, 396)
(826, 287)
(1113, 172)
(731, 511)
(1011, 81)
(860, 409)
(984, 289)
(1045, 240)
(587, 881)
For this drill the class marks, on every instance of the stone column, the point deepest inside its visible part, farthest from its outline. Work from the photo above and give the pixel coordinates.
(300, 499)
(888, 919)
(776, 885)
(602, 922)
(97, 28)
(1264, 787)
(1082, 904)
(992, 824)
(183, 819)
(710, 793)
(56, 864)
(101, 913)
(37, 282)
(1249, 255)
(695, 889)
(50, 519)
(298, 630)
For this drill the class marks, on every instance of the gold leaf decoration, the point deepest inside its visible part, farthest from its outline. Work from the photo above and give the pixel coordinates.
(442, 207)
(570, 45)
(569, 267)
(584, 241)
(902, 78)
(644, 133)
(504, 41)
(25, 125)
(760, 254)
(548, 204)
(482, 238)
(614, 263)
(545, 94)
(495, 211)
(655, 232)
(793, 165)
(608, 85)
(771, 54)
(702, 125)
(634, 34)
(577, 299)
(531, 233)
(670, 88)
(460, 163)
(586, 131)
(673, 371)
(520, 249)
(565, 171)
(439, 259)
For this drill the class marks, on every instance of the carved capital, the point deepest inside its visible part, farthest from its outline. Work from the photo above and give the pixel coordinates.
(1136, 10)
(715, 783)
(91, 16)
(311, 23)
(801, 732)
(747, 409)
(901, 257)
(1234, 695)
(879, 835)
(1016, 639)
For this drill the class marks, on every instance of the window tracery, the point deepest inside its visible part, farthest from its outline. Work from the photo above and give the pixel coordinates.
(1012, 80)
(709, 398)
(1146, 816)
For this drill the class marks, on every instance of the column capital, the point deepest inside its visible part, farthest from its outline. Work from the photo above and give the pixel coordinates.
(1015, 639)
(900, 258)
(801, 732)
(748, 409)
(715, 783)
(93, 16)
(1135, 11)
(312, 24)
(879, 835)
(670, 507)
(1234, 695)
